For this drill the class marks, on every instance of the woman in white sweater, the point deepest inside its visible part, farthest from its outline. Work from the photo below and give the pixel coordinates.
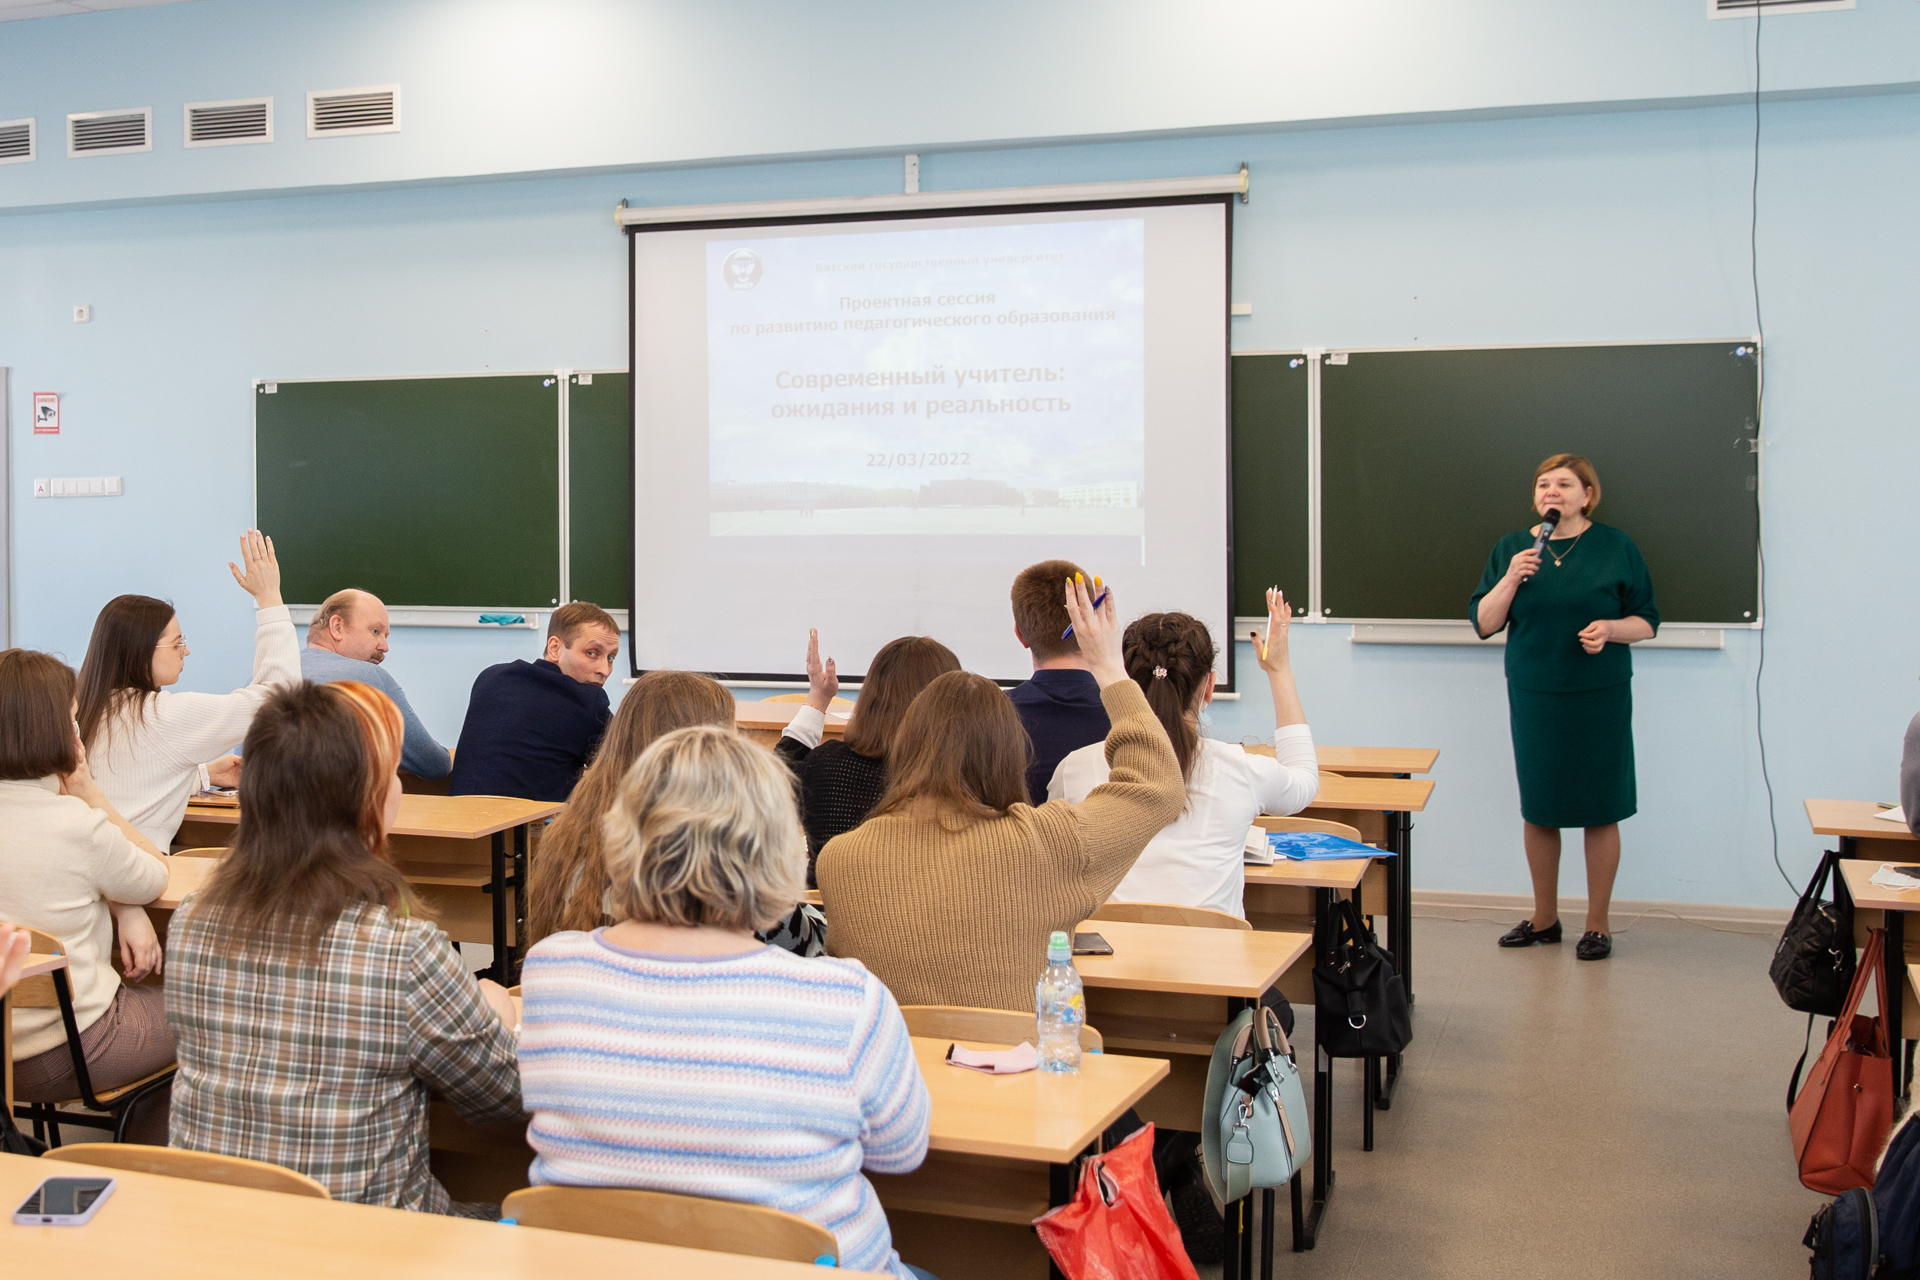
(151, 750)
(1197, 861)
(70, 866)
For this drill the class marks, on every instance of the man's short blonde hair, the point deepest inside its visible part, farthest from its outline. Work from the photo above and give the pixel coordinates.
(570, 619)
(704, 831)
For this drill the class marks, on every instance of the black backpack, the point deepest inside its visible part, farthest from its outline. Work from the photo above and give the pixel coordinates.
(1874, 1235)
(1813, 964)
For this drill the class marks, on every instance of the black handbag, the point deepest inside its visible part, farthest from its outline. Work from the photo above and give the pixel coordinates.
(1813, 964)
(1359, 1002)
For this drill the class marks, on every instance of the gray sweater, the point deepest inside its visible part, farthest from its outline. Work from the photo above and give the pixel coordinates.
(421, 755)
(1910, 776)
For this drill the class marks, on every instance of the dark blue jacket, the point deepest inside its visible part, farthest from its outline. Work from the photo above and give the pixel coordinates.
(530, 730)
(1062, 710)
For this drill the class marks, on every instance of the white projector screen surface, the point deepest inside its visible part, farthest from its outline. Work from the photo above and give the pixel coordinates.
(871, 426)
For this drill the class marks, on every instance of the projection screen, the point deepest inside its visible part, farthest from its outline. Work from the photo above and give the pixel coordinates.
(870, 424)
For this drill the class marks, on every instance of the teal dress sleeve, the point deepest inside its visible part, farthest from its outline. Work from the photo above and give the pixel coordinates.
(1497, 561)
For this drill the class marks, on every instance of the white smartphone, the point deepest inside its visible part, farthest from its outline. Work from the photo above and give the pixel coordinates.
(63, 1202)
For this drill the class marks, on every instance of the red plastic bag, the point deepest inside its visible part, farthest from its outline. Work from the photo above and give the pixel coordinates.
(1117, 1226)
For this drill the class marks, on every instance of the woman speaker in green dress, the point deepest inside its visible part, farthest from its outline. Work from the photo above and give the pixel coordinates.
(1570, 612)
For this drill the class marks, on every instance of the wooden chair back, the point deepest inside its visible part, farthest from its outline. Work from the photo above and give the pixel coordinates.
(656, 1217)
(842, 703)
(38, 993)
(217, 851)
(198, 1166)
(1169, 913)
(1309, 824)
(985, 1026)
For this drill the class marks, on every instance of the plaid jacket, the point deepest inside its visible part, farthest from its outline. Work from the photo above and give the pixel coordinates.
(327, 1068)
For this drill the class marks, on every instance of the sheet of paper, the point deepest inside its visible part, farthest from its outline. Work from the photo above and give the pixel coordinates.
(1895, 814)
(1257, 852)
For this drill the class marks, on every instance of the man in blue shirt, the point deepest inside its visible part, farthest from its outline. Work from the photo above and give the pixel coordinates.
(347, 640)
(532, 726)
(1060, 705)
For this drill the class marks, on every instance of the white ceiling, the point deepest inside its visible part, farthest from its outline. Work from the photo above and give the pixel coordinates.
(15, 10)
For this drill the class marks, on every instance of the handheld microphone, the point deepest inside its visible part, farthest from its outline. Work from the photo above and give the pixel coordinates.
(1548, 523)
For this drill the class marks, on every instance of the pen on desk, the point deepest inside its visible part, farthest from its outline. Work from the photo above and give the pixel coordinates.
(1096, 604)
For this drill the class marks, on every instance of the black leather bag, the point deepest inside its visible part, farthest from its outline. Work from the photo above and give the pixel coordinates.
(16, 1143)
(1813, 963)
(1359, 1002)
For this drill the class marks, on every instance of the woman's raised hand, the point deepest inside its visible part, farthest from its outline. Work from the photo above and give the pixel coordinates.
(1271, 649)
(261, 577)
(1523, 566)
(1097, 630)
(823, 680)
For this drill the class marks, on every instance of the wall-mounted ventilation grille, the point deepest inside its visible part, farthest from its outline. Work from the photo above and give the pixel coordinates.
(16, 141)
(102, 133)
(222, 124)
(335, 112)
(1747, 8)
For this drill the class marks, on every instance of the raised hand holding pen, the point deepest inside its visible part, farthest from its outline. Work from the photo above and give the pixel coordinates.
(1274, 658)
(1098, 627)
(1098, 600)
(823, 680)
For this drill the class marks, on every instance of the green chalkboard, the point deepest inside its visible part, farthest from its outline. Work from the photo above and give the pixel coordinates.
(1428, 458)
(1269, 481)
(599, 490)
(424, 491)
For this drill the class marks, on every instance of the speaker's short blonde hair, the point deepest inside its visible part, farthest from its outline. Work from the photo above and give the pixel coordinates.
(705, 831)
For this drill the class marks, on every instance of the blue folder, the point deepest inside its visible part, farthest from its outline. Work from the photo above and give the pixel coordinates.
(1309, 846)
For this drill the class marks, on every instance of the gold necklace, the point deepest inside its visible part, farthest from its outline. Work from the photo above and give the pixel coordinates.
(1569, 551)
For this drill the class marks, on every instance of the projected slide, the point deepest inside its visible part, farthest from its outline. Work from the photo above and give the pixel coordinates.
(928, 382)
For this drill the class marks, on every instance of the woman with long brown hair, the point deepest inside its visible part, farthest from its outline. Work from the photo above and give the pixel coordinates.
(1199, 860)
(151, 749)
(315, 1008)
(567, 885)
(950, 890)
(840, 782)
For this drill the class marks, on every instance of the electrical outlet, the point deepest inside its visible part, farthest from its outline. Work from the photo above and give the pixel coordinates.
(82, 313)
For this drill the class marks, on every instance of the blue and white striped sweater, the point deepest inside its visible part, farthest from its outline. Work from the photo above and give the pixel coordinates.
(760, 1077)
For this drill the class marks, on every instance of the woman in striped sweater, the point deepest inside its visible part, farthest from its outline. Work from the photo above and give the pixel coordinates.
(674, 1052)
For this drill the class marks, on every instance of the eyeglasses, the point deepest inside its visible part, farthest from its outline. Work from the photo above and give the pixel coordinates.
(181, 643)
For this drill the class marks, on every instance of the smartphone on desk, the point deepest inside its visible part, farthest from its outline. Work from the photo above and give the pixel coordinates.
(63, 1202)
(1091, 944)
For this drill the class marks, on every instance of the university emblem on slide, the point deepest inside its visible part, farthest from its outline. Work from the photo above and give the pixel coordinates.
(741, 270)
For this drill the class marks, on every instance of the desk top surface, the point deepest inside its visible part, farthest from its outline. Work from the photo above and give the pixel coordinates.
(1033, 1115)
(772, 717)
(1859, 874)
(448, 817)
(175, 1229)
(1404, 794)
(184, 876)
(1192, 961)
(1343, 874)
(1367, 760)
(1853, 818)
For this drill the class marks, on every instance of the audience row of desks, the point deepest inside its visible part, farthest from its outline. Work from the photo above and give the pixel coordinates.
(1867, 842)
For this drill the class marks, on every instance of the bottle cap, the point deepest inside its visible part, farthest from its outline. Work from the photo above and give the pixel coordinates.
(1059, 946)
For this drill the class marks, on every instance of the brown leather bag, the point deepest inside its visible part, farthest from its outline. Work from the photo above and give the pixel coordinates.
(1842, 1118)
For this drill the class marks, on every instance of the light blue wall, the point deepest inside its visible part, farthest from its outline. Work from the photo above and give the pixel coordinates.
(1568, 228)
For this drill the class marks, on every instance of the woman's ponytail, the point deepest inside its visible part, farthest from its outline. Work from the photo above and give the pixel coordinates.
(1169, 655)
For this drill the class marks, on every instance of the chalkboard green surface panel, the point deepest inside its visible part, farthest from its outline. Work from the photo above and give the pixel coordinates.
(424, 491)
(1269, 481)
(599, 490)
(1427, 459)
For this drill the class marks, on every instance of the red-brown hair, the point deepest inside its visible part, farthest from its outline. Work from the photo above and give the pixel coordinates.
(1040, 608)
(961, 752)
(894, 679)
(1582, 469)
(36, 716)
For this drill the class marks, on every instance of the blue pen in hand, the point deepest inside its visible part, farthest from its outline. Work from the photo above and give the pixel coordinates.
(1068, 633)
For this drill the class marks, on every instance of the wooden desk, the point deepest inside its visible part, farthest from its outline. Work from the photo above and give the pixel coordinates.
(175, 1229)
(37, 966)
(765, 721)
(1392, 762)
(453, 851)
(1893, 906)
(1861, 834)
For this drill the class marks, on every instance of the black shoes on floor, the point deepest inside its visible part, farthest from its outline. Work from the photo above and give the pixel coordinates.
(1594, 946)
(1525, 935)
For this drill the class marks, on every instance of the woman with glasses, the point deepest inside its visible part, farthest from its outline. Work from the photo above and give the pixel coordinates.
(150, 749)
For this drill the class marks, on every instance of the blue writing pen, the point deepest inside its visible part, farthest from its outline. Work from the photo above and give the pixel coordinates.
(1068, 633)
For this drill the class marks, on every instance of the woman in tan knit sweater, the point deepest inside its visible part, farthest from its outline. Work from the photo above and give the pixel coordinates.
(949, 890)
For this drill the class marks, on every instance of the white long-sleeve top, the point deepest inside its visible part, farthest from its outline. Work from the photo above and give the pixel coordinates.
(1197, 860)
(150, 765)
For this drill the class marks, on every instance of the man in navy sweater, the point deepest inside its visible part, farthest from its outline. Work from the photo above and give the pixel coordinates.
(532, 726)
(1060, 705)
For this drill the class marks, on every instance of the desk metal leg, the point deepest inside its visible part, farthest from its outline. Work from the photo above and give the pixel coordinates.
(1399, 928)
(1894, 952)
(1266, 1233)
(1307, 1235)
(522, 838)
(1059, 1190)
(497, 889)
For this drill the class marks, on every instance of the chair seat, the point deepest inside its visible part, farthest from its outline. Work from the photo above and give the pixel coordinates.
(109, 1096)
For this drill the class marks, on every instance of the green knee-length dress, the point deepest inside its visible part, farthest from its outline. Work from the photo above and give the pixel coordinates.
(1571, 711)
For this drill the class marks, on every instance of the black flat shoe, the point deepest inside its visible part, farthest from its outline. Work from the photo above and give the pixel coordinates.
(1525, 935)
(1594, 946)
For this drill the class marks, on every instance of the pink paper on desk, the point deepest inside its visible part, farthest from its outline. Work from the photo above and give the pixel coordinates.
(998, 1062)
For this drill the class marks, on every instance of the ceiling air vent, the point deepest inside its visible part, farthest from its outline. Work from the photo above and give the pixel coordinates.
(223, 124)
(336, 112)
(106, 133)
(1748, 8)
(16, 141)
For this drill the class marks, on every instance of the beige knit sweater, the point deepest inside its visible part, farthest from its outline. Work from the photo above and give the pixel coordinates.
(962, 917)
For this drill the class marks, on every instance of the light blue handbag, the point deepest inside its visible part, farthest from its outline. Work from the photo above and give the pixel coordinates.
(1254, 1129)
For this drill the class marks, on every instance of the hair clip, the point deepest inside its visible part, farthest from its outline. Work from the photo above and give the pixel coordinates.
(1159, 673)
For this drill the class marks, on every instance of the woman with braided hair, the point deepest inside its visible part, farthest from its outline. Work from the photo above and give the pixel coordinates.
(1197, 861)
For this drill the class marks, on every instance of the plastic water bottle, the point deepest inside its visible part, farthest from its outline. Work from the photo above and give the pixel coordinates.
(1061, 1007)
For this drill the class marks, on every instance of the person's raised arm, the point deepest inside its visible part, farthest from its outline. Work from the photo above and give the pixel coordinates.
(198, 727)
(1272, 654)
(809, 723)
(1290, 781)
(261, 577)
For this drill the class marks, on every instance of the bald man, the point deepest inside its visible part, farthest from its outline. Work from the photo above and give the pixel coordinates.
(347, 640)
